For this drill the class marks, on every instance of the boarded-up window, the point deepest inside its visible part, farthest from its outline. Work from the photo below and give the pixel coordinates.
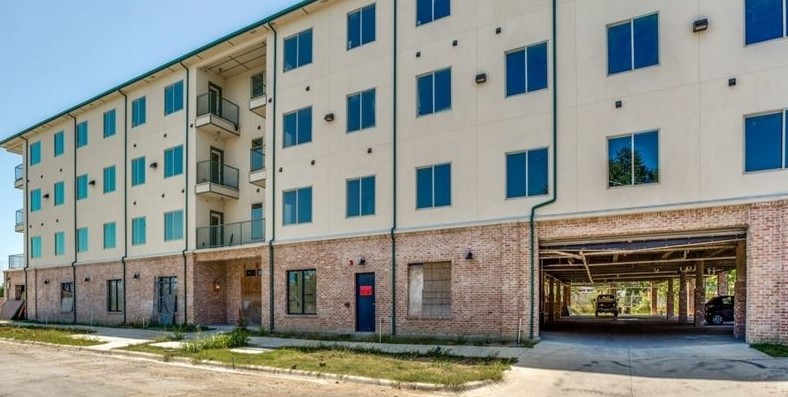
(66, 297)
(429, 289)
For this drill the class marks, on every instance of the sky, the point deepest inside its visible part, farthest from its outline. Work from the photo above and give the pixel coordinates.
(55, 54)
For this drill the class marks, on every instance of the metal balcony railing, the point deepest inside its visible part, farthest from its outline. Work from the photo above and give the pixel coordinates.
(19, 173)
(215, 172)
(257, 88)
(212, 103)
(231, 234)
(256, 159)
(16, 261)
(20, 218)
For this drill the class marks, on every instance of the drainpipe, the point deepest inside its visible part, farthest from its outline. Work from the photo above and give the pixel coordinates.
(555, 168)
(186, 202)
(125, 197)
(26, 160)
(74, 263)
(273, 196)
(394, 181)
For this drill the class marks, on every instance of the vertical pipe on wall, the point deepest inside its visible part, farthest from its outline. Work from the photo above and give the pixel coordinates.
(394, 178)
(125, 198)
(26, 160)
(74, 263)
(273, 193)
(186, 200)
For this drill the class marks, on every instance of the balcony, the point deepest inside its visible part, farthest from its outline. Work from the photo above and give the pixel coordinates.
(231, 234)
(16, 261)
(20, 221)
(257, 173)
(19, 176)
(258, 98)
(216, 114)
(216, 180)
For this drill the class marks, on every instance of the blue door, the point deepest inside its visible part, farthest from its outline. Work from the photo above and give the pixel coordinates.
(365, 302)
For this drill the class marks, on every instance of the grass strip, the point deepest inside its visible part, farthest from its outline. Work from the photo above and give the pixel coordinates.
(772, 349)
(59, 336)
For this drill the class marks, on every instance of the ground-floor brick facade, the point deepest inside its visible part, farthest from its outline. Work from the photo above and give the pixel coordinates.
(468, 281)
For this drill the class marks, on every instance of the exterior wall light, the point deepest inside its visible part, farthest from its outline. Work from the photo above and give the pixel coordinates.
(469, 255)
(216, 285)
(329, 117)
(362, 261)
(481, 78)
(154, 164)
(87, 279)
(700, 25)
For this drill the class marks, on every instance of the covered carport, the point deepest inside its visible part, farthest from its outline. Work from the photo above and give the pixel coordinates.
(679, 262)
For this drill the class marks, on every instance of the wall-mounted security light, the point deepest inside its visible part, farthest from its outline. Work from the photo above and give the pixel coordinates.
(731, 82)
(700, 25)
(136, 275)
(329, 117)
(87, 279)
(92, 182)
(481, 78)
(46, 281)
(469, 255)
(46, 195)
(362, 261)
(154, 165)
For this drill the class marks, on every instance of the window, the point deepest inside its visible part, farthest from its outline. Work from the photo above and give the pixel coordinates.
(67, 297)
(361, 26)
(526, 173)
(361, 196)
(138, 112)
(82, 186)
(109, 179)
(429, 289)
(298, 50)
(173, 161)
(173, 225)
(765, 146)
(138, 171)
(60, 193)
(302, 292)
(82, 134)
(298, 127)
(82, 239)
(138, 231)
(60, 143)
(258, 222)
(633, 159)
(431, 10)
(433, 186)
(297, 206)
(35, 200)
(765, 20)
(109, 235)
(35, 153)
(257, 88)
(115, 295)
(60, 243)
(361, 110)
(633, 44)
(256, 155)
(173, 98)
(35, 247)
(434, 90)
(526, 69)
(109, 123)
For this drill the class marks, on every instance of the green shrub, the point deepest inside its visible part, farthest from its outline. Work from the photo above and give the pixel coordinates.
(237, 338)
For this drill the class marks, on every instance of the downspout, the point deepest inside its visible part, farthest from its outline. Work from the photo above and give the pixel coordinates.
(74, 263)
(125, 197)
(394, 180)
(26, 160)
(186, 202)
(555, 169)
(273, 195)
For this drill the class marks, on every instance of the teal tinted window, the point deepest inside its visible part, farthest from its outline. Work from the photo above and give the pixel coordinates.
(35, 247)
(765, 20)
(82, 134)
(297, 127)
(109, 123)
(633, 44)
(258, 223)
(633, 159)
(360, 196)
(60, 243)
(109, 235)
(173, 98)
(82, 186)
(173, 225)
(526, 69)
(138, 231)
(526, 173)
(60, 193)
(60, 143)
(361, 26)
(138, 171)
(173, 161)
(35, 153)
(138, 112)
(433, 186)
(82, 239)
(298, 50)
(35, 200)
(765, 142)
(434, 92)
(430, 10)
(361, 110)
(297, 206)
(109, 179)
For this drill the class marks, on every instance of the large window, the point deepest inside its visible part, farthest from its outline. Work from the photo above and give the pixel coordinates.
(109, 123)
(765, 20)
(429, 289)
(360, 196)
(35, 247)
(173, 225)
(297, 127)
(82, 134)
(115, 295)
(109, 235)
(82, 239)
(109, 179)
(60, 243)
(173, 98)
(35, 153)
(60, 193)
(526, 173)
(361, 110)
(173, 161)
(633, 44)
(434, 92)
(138, 112)
(35, 200)
(302, 292)
(433, 186)
(138, 231)
(361, 26)
(526, 69)
(60, 143)
(258, 222)
(138, 171)
(297, 206)
(298, 50)
(82, 187)
(633, 159)
(67, 297)
(765, 146)
(430, 10)
(257, 85)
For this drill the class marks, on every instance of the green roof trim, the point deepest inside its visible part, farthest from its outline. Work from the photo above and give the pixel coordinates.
(229, 36)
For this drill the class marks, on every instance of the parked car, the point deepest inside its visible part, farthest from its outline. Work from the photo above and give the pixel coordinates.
(606, 303)
(719, 310)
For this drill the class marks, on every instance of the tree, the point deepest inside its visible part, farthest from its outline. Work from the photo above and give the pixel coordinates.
(620, 169)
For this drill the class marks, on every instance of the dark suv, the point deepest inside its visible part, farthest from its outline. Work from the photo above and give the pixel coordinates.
(719, 309)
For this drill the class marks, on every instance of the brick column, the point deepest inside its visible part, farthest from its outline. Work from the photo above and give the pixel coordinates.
(682, 297)
(700, 295)
(740, 291)
(669, 300)
(722, 283)
(653, 299)
(551, 300)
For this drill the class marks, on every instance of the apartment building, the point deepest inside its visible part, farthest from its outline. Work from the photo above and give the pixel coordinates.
(426, 167)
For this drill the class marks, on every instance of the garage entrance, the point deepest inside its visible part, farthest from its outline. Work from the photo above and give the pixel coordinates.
(658, 283)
